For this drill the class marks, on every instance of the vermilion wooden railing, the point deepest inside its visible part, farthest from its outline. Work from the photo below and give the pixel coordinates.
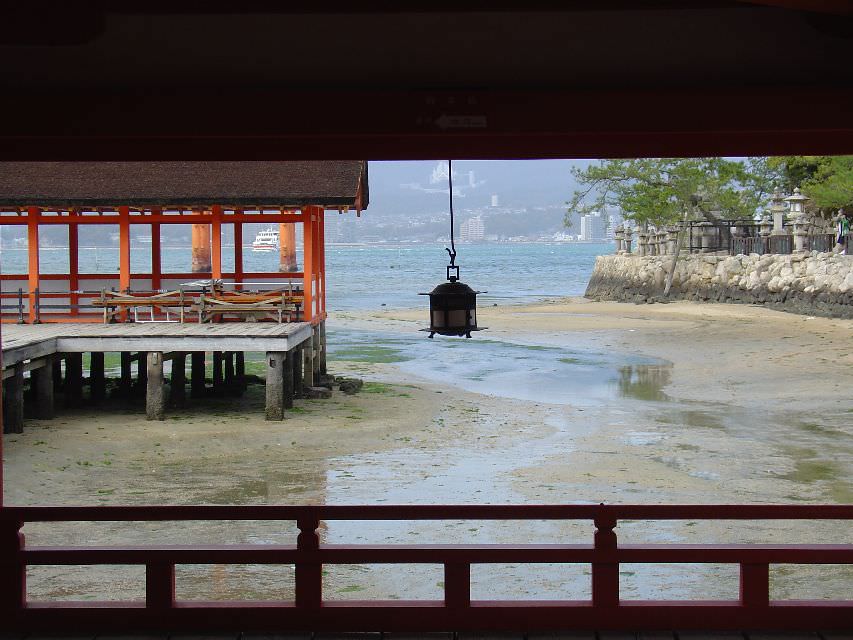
(311, 612)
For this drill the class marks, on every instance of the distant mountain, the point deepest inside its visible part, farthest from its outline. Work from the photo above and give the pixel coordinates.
(420, 187)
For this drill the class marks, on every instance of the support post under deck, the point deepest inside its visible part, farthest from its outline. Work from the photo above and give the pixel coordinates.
(315, 350)
(218, 387)
(13, 401)
(240, 371)
(155, 398)
(297, 372)
(142, 373)
(126, 377)
(177, 389)
(288, 379)
(322, 353)
(275, 385)
(97, 381)
(73, 379)
(231, 386)
(197, 389)
(308, 363)
(42, 381)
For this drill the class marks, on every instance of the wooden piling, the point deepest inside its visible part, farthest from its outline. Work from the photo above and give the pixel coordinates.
(197, 360)
(56, 368)
(218, 386)
(322, 354)
(177, 389)
(288, 379)
(231, 386)
(240, 370)
(13, 401)
(297, 372)
(141, 373)
(43, 387)
(308, 363)
(315, 351)
(97, 380)
(155, 406)
(73, 379)
(126, 381)
(275, 385)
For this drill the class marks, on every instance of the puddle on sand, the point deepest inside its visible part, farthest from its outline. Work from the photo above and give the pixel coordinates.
(532, 372)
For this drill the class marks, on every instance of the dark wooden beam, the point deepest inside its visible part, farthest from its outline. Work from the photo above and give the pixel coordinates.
(433, 124)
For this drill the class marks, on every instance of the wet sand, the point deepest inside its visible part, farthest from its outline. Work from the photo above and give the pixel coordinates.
(748, 405)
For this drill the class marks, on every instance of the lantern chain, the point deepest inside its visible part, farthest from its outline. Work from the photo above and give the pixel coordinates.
(452, 250)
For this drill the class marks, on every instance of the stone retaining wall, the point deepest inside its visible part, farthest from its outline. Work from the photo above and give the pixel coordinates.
(813, 284)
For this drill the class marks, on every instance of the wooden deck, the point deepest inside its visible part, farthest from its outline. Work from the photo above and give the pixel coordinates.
(24, 342)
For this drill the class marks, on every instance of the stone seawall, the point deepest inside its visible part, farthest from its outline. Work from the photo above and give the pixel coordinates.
(813, 284)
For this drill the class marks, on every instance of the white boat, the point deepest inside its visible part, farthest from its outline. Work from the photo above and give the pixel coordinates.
(266, 240)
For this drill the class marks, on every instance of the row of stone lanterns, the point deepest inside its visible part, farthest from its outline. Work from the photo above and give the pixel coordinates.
(651, 242)
(663, 241)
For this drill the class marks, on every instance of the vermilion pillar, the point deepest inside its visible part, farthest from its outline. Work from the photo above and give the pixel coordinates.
(124, 248)
(33, 214)
(308, 262)
(238, 251)
(287, 247)
(216, 243)
(201, 262)
(73, 258)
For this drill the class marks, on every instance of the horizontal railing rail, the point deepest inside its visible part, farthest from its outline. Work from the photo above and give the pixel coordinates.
(309, 610)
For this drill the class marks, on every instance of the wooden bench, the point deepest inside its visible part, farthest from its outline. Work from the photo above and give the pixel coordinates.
(282, 308)
(113, 303)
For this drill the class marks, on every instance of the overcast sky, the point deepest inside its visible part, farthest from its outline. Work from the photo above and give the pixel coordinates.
(417, 187)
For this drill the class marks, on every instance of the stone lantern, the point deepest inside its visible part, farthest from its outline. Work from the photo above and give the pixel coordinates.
(797, 203)
(765, 227)
(800, 225)
(619, 236)
(642, 239)
(628, 246)
(652, 242)
(777, 210)
(673, 238)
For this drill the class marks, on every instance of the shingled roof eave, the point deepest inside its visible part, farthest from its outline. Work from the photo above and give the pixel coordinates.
(332, 202)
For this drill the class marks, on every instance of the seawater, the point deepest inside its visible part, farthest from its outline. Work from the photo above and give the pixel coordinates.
(370, 276)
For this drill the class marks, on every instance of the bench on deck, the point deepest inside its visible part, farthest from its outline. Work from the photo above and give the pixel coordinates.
(282, 308)
(113, 303)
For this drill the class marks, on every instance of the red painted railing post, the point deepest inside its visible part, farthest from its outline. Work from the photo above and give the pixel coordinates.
(755, 585)
(457, 585)
(13, 572)
(309, 575)
(605, 571)
(159, 585)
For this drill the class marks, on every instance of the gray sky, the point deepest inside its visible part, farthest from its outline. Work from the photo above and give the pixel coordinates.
(417, 187)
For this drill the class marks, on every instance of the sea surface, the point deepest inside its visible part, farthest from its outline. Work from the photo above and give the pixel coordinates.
(370, 276)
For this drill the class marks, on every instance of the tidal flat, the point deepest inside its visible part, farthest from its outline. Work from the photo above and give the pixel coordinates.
(564, 401)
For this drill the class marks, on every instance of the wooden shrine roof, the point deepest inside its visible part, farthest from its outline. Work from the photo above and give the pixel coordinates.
(139, 184)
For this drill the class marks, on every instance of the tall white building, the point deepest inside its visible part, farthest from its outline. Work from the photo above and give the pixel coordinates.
(592, 227)
(494, 200)
(472, 230)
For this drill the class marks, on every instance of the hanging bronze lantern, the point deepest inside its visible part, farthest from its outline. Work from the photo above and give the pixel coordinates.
(452, 304)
